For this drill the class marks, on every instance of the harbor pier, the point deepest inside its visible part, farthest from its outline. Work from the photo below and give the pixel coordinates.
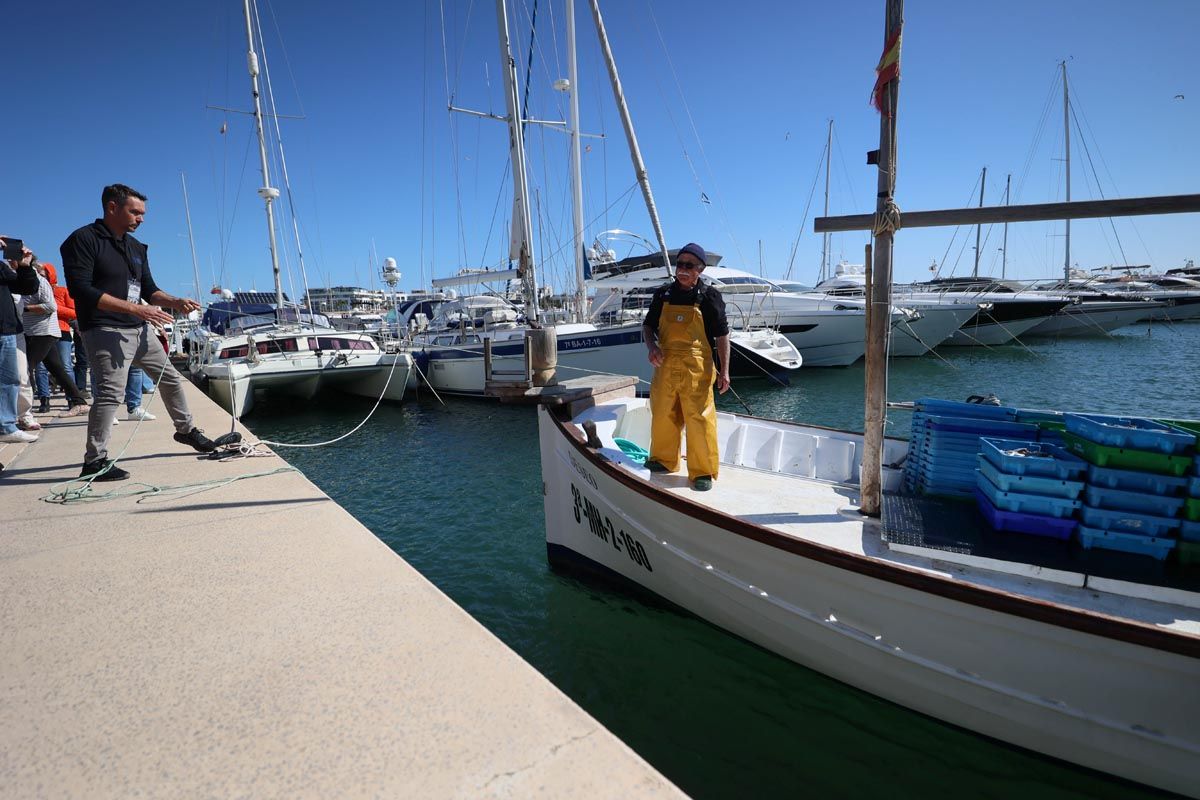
(254, 639)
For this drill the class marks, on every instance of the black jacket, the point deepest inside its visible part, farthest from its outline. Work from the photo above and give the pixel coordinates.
(22, 280)
(95, 262)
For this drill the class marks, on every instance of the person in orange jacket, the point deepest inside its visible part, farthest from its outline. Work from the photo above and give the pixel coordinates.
(66, 342)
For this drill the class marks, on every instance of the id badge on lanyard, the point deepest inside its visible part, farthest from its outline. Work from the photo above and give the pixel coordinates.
(134, 295)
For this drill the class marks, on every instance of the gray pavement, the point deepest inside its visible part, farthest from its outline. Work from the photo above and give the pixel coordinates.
(254, 641)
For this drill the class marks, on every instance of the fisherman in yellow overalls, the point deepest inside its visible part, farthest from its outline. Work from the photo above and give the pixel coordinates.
(686, 320)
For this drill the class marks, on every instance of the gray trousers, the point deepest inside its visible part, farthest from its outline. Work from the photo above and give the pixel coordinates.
(110, 352)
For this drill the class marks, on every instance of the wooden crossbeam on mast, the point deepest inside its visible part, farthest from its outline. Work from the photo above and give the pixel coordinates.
(1037, 212)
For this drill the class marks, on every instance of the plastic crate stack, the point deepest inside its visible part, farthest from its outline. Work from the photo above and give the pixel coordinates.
(1029, 487)
(1188, 549)
(1137, 482)
(943, 450)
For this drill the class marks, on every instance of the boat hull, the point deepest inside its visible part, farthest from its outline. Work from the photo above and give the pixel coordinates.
(917, 638)
(1090, 319)
(936, 324)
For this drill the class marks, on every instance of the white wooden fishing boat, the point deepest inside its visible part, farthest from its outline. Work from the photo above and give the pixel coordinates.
(1094, 670)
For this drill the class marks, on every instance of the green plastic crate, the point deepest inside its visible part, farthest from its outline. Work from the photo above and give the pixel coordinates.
(1105, 456)
(1188, 554)
(1191, 509)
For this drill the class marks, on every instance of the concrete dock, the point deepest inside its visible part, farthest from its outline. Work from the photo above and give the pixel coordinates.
(254, 640)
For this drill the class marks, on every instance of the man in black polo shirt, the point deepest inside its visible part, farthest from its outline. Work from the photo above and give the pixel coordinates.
(108, 274)
(685, 330)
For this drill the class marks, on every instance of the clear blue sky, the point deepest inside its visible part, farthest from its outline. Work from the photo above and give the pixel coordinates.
(118, 92)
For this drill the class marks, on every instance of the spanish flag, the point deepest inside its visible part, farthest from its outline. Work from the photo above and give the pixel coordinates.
(888, 68)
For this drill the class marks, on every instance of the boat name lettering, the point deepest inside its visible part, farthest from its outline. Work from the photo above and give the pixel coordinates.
(601, 526)
(583, 473)
(577, 344)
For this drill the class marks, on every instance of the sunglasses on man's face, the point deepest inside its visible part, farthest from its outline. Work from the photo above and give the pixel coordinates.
(688, 265)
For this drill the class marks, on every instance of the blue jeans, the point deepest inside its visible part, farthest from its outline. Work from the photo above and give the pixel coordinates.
(66, 352)
(133, 389)
(10, 382)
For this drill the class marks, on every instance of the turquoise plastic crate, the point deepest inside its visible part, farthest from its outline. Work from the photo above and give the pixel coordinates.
(1126, 542)
(1130, 433)
(1140, 502)
(1128, 521)
(1029, 484)
(1039, 458)
(1131, 480)
(1027, 503)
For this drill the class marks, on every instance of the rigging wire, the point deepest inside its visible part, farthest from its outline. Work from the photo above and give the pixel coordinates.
(1087, 151)
(454, 151)
(804, 217)
(696, 133)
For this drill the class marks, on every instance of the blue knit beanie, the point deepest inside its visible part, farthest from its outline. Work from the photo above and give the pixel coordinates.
(695, 250)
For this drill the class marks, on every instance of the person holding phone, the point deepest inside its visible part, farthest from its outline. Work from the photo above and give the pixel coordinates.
(16, 277)
(42, 336)
(108, 273)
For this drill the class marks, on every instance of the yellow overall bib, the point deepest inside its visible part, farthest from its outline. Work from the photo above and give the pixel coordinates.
(681, 393)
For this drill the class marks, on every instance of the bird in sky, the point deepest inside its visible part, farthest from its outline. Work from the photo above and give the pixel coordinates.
(1178, 97)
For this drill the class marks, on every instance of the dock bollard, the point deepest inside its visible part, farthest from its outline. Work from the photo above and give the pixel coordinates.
(542, 346)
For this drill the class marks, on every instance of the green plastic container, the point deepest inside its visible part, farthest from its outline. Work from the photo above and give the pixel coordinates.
(1191, 509)
(1188, 554)
(1105, 456)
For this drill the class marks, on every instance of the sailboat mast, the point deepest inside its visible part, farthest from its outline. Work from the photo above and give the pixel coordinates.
(1004, 246)
(576, 167)
(979, 227)
(825, 236)
(879, 315)
(267, 192)
(1067, 146)
(187, 213)
(639, 166)
(521, 246)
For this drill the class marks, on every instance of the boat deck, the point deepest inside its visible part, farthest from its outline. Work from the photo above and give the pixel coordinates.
(948, 539)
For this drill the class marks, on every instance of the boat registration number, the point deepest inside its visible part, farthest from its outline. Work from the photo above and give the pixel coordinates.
(587, 515)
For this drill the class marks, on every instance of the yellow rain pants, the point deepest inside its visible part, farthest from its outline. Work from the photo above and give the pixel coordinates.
(681, 393)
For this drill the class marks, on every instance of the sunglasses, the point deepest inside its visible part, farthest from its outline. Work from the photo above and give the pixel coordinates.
(688, 265)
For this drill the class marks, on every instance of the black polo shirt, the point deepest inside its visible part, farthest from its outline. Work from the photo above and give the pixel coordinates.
(95, 262)
(712, 308)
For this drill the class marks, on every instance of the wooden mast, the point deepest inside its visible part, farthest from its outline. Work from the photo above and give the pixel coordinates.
(880, 302)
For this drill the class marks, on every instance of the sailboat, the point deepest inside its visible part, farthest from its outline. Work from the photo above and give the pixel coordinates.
(809, 546)
(452, 344)
(281, 348)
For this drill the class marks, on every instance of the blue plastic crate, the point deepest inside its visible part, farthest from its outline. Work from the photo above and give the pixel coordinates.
(1130, 433)
(1189, 531)
(1132, 480)
(1154, 505)
(955, 408)
(1029, 484)
(1126, 542)
(1128, 521)
(1016, 522)
(981, 427)
(1193, 488)
(1024, 457)
(1027, 503)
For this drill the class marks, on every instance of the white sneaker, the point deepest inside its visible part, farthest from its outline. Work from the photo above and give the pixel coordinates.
(140, 413)
(18, 437)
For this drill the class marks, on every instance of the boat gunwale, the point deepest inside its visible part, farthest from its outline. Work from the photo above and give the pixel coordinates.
(1085, 621)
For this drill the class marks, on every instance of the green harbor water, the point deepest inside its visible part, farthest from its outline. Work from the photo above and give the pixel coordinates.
(456, 491)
